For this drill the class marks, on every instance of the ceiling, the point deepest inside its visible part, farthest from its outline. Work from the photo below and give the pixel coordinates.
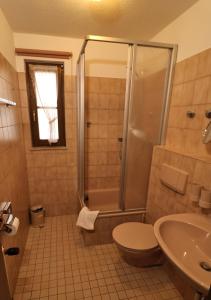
(138, 19)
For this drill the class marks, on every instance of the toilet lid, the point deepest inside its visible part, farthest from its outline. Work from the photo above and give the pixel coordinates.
(135, 236)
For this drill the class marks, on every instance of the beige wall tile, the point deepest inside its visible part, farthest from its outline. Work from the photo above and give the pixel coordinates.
(187, 93)
(204, 64)
(52, 169)
(92, 100)
(13, 173)
(190, 70)
(179, 72)
(177, 117)
(105, 106)
(162, 200)
(191, 92)
(103, 116)
(93, 115)
(176, 95)
(22, 81)
(201, 88)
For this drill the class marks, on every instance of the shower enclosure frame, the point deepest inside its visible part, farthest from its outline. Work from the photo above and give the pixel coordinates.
(132, 45)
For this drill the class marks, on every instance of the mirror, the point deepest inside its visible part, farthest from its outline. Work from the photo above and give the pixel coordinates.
(206, 134)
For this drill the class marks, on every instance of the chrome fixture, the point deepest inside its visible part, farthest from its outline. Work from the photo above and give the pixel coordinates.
(206, 134)
(190, 114)
(7, 102)
(6, 216)
(5, 207)
(205, 265)
(208, 114)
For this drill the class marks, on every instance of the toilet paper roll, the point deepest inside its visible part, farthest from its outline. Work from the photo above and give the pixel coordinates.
(12, 228)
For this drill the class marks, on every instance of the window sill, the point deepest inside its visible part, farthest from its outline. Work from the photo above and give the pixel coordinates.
(48, 148)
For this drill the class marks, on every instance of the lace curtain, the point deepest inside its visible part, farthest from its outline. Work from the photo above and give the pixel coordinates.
(45, 82)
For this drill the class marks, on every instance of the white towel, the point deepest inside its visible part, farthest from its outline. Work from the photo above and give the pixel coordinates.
(86, 218)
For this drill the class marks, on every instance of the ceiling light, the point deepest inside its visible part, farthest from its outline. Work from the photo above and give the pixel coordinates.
(105, 10)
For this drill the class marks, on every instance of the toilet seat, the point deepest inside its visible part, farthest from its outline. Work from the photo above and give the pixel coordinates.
(135, 236)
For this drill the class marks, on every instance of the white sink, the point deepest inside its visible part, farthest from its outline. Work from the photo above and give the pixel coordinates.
(186, 240)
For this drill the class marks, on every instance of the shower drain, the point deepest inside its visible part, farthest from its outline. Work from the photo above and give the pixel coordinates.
(206, 266)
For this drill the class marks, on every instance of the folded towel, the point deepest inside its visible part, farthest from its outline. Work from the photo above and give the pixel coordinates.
(86, 218)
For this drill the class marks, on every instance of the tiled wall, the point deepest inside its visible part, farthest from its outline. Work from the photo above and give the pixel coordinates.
(191, 92)
(104, 110)
(163, 201)
(52, 172)
(13, 175)
(184, 148)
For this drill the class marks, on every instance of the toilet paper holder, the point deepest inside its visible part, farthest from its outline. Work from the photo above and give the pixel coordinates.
(9, 221)
(6, 216)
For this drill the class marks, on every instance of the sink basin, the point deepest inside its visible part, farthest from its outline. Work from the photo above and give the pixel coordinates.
(186, 241)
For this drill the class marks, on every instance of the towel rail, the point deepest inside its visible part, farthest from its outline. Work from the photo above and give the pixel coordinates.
(7, 102)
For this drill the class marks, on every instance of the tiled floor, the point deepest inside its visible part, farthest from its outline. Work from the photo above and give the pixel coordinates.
(56, 265)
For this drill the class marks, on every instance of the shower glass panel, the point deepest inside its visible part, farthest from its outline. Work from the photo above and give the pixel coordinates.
(123, 92)
(145, 120)
(105, 71)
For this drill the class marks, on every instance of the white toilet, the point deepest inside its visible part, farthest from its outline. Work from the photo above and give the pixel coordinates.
(137, 244)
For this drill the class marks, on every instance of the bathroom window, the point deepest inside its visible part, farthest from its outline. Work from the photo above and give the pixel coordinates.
(45, 86)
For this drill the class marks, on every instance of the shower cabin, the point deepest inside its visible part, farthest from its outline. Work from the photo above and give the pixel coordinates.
(123, 93)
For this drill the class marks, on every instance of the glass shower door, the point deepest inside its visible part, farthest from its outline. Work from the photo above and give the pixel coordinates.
(105, 79)
(145, 119)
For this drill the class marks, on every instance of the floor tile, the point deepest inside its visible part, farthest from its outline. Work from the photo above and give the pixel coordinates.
(58, 266)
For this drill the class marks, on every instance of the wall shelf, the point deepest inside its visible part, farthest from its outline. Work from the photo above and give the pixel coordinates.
(7, 102)
(43, 53)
